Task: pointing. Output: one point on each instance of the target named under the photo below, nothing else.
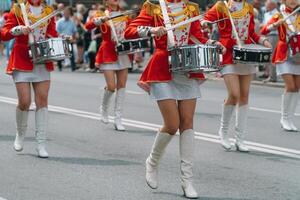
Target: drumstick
(26, 21)
(195, 40)
(44, 19)
(112, 26)
(233, 26)
(193, 19)
(167, 22)
(125, 13)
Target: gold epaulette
(99, 13)
(193, 8)
(221, 7)
(17, 10)
(18, 13)
(152, 9)
(278, 16)
(250, 7)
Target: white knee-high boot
(41, 121)
(105, 105)
(240, 128)
(21, 124)
(225, 121)
(161, 142)
(186, 165)
(285, 109)
(119, 102)
(292, 110)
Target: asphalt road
(90, 160)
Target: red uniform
(20, 59)
(245, 28)
(107, 53)
(281, 51)
(158, 66)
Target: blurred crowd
(86, 43)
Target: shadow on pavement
(87, 161)
(269, 156)
(12, 138)
(221, 198)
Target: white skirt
(122, 63)
(238, 68)
(288, 67)
(180, 88)
(39, 74)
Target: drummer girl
(115, 67)
(176, 94)
(25, 73)
(285, 65)
(238, 76)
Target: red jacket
(106, 52)
(157, 69)
(281, 51)
(19, 58)
(219, 11)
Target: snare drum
(252, 54)
(53, 49)
(294, 42)
(134, 46)
(195, 58)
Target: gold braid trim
(18, 13)
(223, 12)
(99, 14)
(154, 10)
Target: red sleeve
(51, 29)
(90, 24)
(197, 33)
(143, 19)
(10, 23)
(212, 14)
(253, 35)
(265, 30)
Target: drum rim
(193, 46)
(133, 40)
(243, 48)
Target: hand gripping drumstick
(233, 26)
(167, 22)
(44, 19)
(26, 21)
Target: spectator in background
(81, 30)
(66, 27)
(257, 4)
(2, 21)
(270, 10)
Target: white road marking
(131, 92)
(293, 153)
(2, 198)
